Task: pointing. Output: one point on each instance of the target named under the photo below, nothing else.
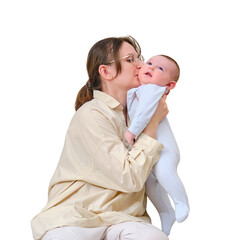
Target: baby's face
(157, 70)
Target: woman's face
(128, 77)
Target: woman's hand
(160, 113)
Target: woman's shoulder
(92, 109)
(95, 116)
(92, 105)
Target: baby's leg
(166, 171)
(161, 202)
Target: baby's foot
(167, 221)
(181, 212)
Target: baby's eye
(149, 63)
(160, 68)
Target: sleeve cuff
(151, 147)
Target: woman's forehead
(126, 49)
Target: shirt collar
(107, 99)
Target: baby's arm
(149, 96)
(129, 137)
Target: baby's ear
(171, 85)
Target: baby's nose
(152, 67)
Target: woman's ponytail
(84, 95)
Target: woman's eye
(130, 59)
(149, 63)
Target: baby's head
(160, 70)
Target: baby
(158, 76)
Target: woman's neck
(121, 97)
(125, 113)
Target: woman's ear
(171, 85)
(106, 72)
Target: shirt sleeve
(113, 165)
(149, 96)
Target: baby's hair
(176, 77)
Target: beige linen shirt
(99, 180)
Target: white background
(43, 51)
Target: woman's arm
(103, 158)
(143, 105)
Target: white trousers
(166, 174)
(122, 231)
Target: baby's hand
(129, 137)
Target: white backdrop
(43, 51)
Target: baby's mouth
(148, 74)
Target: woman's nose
(140, 64)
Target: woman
(97, 191)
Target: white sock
(181, 212)
(167, 221)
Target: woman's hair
(102, 53)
